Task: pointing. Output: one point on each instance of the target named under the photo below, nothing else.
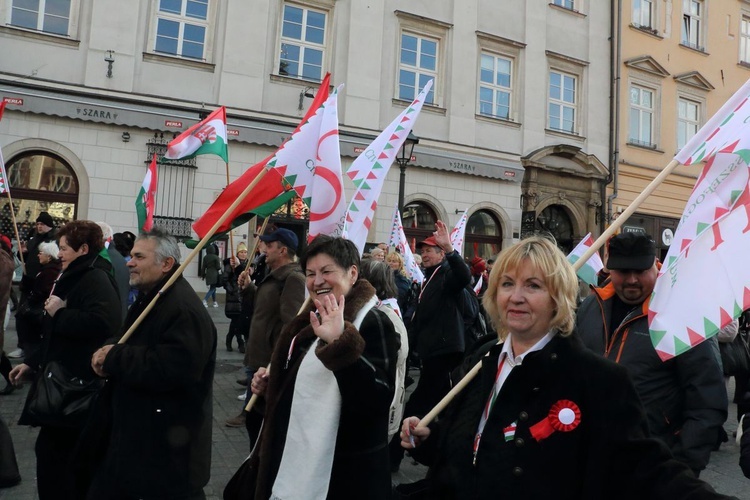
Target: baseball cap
(283, 235)
(430, 242)
(631, 251)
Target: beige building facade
(515, 131)
(677, 62)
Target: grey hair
(49, 248)
(106, 230)
(166, 244)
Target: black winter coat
(438, 326)
(364, 364)
(91, 316)
(162, 405)
(606, 456)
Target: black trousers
(54, 474)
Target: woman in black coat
(331, 386)
(544, 418)
(82, 311)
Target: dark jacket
(211, 267)
(91, 316)
(606, 456)
(277, 301)
(745, 446)
(685, 398)
(364, 364)
(122, 277)
(31, 257)
(437, 327)
(162, 405)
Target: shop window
(418, 220)
(484, 235)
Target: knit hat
(478, 265)
(241, 247)
(5, 243)
(45, 219)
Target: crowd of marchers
(565, 396)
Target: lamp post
(403, 159)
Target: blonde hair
(559, 278)
(397, 256)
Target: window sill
(701, 51)
(652, 148)
(647, 30)
(178, 61)
(425, 107)
(301, 82)
(40, 35)
(563, 133)
(496, 120)
(743, 64)
(569, 11)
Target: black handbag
(59, 399)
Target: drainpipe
(614, 115)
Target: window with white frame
(692, 23)
(495, 86)
(567, 4)
(688, 120)
(303, 39)
(49, 16)
(563, 101)
(181, 28)
(641, 126)
(643, 13)
(418, 64)
(745, 40)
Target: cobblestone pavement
(230, 445)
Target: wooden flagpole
(15, 225)
(251, 255)
(582, 260)
(192, 254)
(231, 242)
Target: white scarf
(305, 469)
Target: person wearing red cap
(437, 327)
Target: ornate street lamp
(403, 159)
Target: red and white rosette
(564, 416)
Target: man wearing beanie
(45, 232)
(684, 397)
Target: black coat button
(519, 442)
(523, 416)
(517, 471)
(553, 357)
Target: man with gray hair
(118, 265)
(160, 442)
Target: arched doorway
(39, 182)
(484, 235)
(418, 220)
(556, 221)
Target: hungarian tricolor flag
(268, 195)
(146, 200)
(207, 137)
(589, 271)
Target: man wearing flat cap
(684, 397)
(278, 298)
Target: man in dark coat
(122, 276)
(685, 399)
(437, 327)
(160, 444)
